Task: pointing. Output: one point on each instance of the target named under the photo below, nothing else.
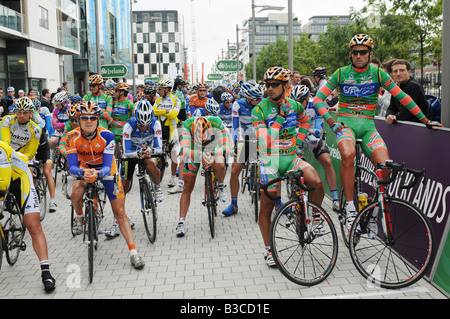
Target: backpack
(434, 108)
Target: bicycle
(250, 178)
(399, 245)
(12, 230)
(303, 239)
(211, 196)
(94, 201)
(161, 160)
(37, 171)
(148, 202)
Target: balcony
(10, 19)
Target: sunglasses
(360, 52)
(202, 90)
(92, 85)
(88, 118)
(73, 120)
(274, 85)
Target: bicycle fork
(382, 207)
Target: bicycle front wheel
(210, 202)
(305, 257)
(255, 190)
(14, 230)
(90, 218)
(148, 210)
(397, 256)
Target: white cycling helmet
(60, 98)
(24, 104)
(212, 106)
(251, 90)
(144, 112)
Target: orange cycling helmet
(361, 39)
(122, 86)
(95, 79)
(89, 108)
(73, 110)
(277, 73)
(202, 130)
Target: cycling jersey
(279, 138)
(59, 119)
(242, 119)
(134, 138)
(104, 101)
(23, 138)
(358, 95)
(97, 153)
(122, 112)
(199, 112)
(14, 169)
(45, 114)
(225, 115)
(191, 152)
(168, 119)
(195, 102)
(62, 144)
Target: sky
(215, 20)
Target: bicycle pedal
(203, 202)
(23, 246)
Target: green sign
(215, 77)
(114, 71)
(154, 79)
(229, 66)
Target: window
(165, 26)
(154, 69)
(146, 58)
(165, 47)
(43, 17)
(139, 27)
(172, 57)
(146, 37)
(152, 47)
(140, 48)
(112, 34)
(171, 37)
(140, 69)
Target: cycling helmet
(24, 104)
(89, 108)
(202, 85)
(140, 96)
(37, 104)
(227, 97)
(122, 86)
(150, 90)
(212, 106)
(111, 85)
(251, 90)
(362, 39)
(144, 112)
(149, 82)
(60, 98)
(299, 92)
(277, 73)
(202, 130)
(73, 111)
(320, 72)
(75, 99)
(167, 83)
(110, 93)
(95, 79)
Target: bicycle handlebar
(397, 168)
(295, 176)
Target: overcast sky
(216, 20)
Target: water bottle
(362, 200)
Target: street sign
(114, 71)
(154, 79)
(215, 77)
(229, 66)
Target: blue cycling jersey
(315, 118)
(134, 138)
(225, 115)
(242, 119)
(199, 112)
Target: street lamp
(237, 49)
(132, 46)
(263, 8)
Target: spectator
(3, 106)
(45, 99)
(9, 99)
(401, 73)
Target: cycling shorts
(31, 201)
(361, 129)
(43, 151)
(112, 190)
(319, 148)
(272, 167)
(191, 167)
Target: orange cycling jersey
(97, 152)
(195, 103)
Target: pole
(290, 37)
(97, 36)
(237, 53)
(445, 109)
(132, 48)
(253, 40)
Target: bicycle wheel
(148, 210)
(1, 246)
(305, 258)
(41, 190)
(255, 190)
(245, 178)
(210, 202)
(399, 259)
(161, 163)
(14, 230)
(343, 213)
(90, 221)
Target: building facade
(158, 46)
(114, 29)
(34, 38)
(318, 25)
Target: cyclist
(314, 140)
(203, 141)
(122, 111)
(16, 176)
(251, 94)
(178, 92)
(73, 122)
(358, 85)
(197, 100)
(166, 108)
(281, 125)
(103, 100)
(141, 139)
(90, 155)
(319, 75)
(226, 110)
(59, 118)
